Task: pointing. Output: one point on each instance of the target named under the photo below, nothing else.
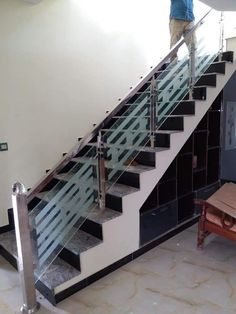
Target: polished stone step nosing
(159, 102)
(148, 132)
(164, 116)
(137, 169)
(115, 189)
(81, 242)
(102, 216)
(132, 147)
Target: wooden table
(218, 214)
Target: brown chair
(218, 214)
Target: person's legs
(176, 31)
(191, 41)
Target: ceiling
(225, 5)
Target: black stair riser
(184, 108)
(218, 67)
(46, 292)
(92, 228)
(114, 202)
(70, 258)
(226, 56)
(146, 159)
(174, 123)
(122, 110)
(11, 218)
(162, 140)
(207, 80)
(199, 93)
(50, 185)
(133, 176)
(128, 178)
(9, 257)
(87, 151)
(131, 179)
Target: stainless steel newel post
(24, 249)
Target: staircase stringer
(121, 235)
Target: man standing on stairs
(181, 21)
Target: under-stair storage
(193, 173)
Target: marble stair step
(80, 242)
(101, 216)
(138, 168)
(114, 192)
(57, 273)
(147, 131)
(116, 189)
(148, 116)
(133, 148)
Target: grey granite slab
(153, 150)
(57, 273)
(119, 190)
(102, 215)
(132, 148)
(157, 131)
(82, 241)
(138, 168)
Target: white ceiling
(225, 5)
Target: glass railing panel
(63, 209)
(131, 133)
(128, 133)
(173, 86)
(208, 43)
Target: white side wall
(63, 63)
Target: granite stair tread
(57, 273)
(146, 117)
(119, 190)
(138, 168)
(144, 131)
(81, 241)
(102, 215)
(132, 148)
(116, 189)
(160, 102)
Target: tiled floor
(172, 278)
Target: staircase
(102, 239)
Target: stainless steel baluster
(221, 44)
(153, 116)
(24, 249)
(192, 68)
(101, 172)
